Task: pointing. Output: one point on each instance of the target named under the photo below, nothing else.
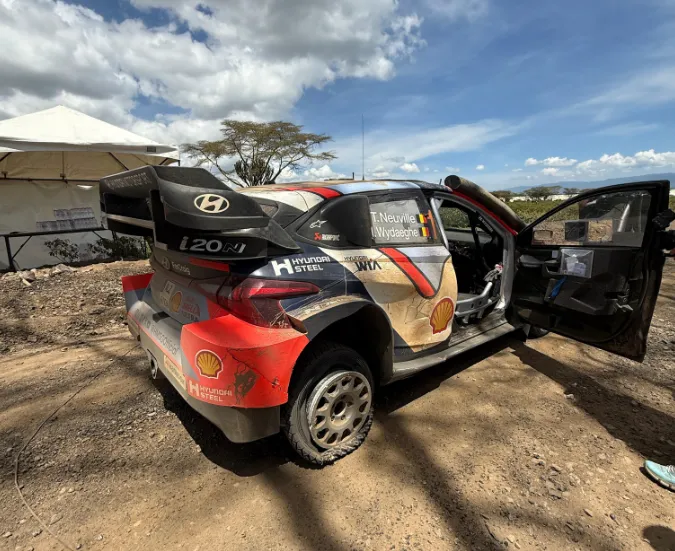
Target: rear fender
(355, 322)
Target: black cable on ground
(35, 433)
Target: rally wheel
(330, 406)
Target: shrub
(63, 250)
(122, 247)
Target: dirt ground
(535, 445)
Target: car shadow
(256, 457)
(241, 459)
(660, 538)
(401, 393)
(643, 428)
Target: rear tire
(330, 406)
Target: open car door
(591, 268)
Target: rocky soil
(534, 445)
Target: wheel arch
(361, 325)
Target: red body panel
(136, 282)
(255, 362)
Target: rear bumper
(233, 373)
(237, 424)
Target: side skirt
(463, 343)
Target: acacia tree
(542, 193)
(503, 195)
(262, 150)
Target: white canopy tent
(50, 164)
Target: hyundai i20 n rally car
(285, 307)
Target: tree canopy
(504, 195)
(542, 193)
(261, 150)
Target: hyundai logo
(211, 203)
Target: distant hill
(602, 183)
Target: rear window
(402, 220)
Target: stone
(55, 518)
(556, 468)
(628, 510)
(588, 512)
(7, 535)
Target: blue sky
(584, 90)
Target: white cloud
(480, 167)
(322, 172)
(550, 171)
(517, 170)
(641, 159)
(383, 146)
(381, 174)
(252, 64)
(551, 161)
(409, 167)
(628, 129)
(452, 169)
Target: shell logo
(208, 363)
(442, 315)
(175, 301)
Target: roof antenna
(363, 148)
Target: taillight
(257, 300)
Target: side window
(454, 218)
(612, 219)
(402, 220)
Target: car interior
(477, 252)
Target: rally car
(285, 307)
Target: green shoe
(663, 474)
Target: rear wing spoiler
(189, 210)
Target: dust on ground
(534, 445)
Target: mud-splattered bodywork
(236, 373)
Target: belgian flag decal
(424, 229)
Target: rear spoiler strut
(189, 210)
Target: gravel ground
(533, 445)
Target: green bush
(122, 247)
(63, 250)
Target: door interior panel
(590, 269)
(582, 307)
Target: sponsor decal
(166, 263)
(317, 224)
(368, 266)
(211, 203)
(175, 301)
(129, 181)
(208, 363)
(190, 309)
(299, 265)
(133, 326)
(182, 268)
(167, 342)
(216, 396)
(326, 236)
(200, 245)
(175, 371)
(442, 315)
(359, 258)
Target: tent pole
(10, 257)
(118, 161)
